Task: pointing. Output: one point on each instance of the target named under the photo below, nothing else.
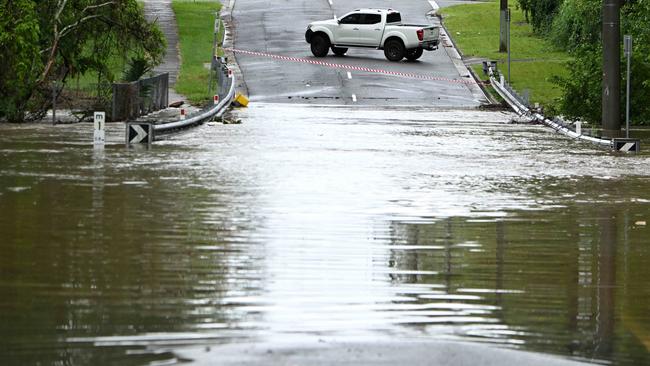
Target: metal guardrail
(517, 103)
(216, 110)
(146, 132)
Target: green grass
(534, 61)
(86, 83)
(195, 21)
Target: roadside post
(55, 86)
(627, 43)
(139, 133)
(627, 144)
(215, 43)
(99, 136)
(508, 40)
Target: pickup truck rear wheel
(339, 51)
(394, 49)
(414, 54)
(319, 45)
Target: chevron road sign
(626, 145)
(139, 133)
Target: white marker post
(99, 136)
(216, 99)
(182, 113)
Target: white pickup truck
(380, 29)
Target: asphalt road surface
(277, 28)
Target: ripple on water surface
(322, 222)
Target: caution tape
(349, 67)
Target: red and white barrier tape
(349, 67)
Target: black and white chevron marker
(626, 145)
(139, 133)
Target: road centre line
(349, 67)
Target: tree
(582, 91)
(62, 38)
(577, 23)
(20, 45)
(540, 13)
(582, 98)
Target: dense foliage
(52, 40)
(20, 45)
(575, 25)
(540, 13)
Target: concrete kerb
(456, 57)
(228, 42)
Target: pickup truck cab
(380, 29)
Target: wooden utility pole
(611, 120)
(503, 8)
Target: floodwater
(321, 222)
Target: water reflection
(89, 251)
(548, 280)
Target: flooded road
(321, 223)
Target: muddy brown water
(336, 222)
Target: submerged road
(277, 28)
(323, 235)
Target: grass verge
(534, 61)
(195, 21)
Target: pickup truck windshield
(393, 18)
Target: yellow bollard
(240, 100)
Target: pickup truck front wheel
(339, 51)
(319, 45)
(414, 54)
(394, 50)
